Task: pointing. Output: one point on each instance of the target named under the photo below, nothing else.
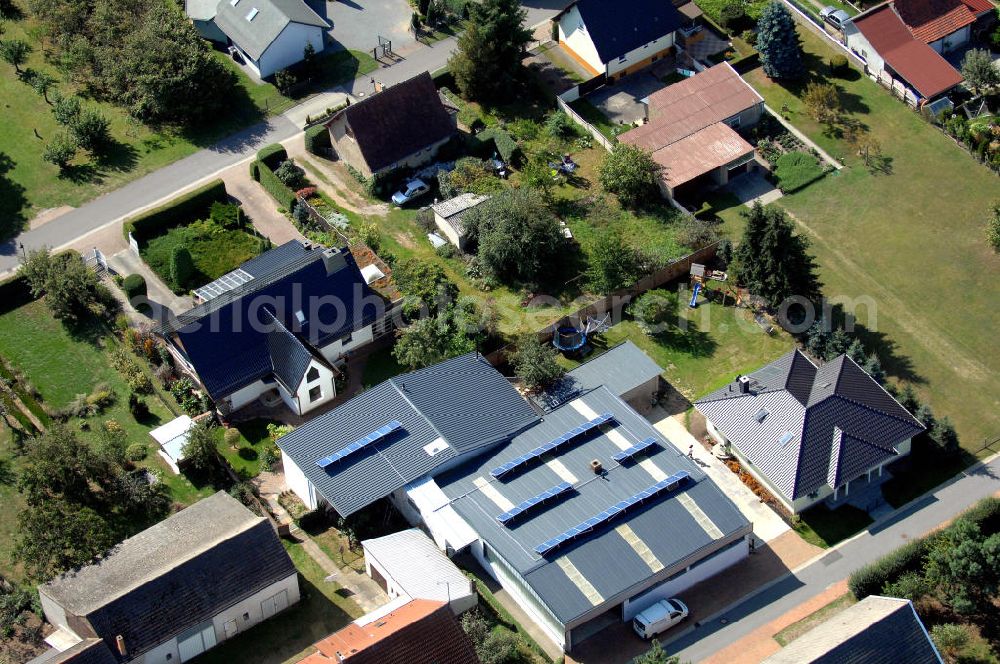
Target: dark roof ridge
(865, 441)
(401, 391)
(914, 422)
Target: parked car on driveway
(659, 618)
(412, 189)
(834, 17)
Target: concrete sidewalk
(767, 525)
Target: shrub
(795, 170)
(732, 16)
(226, 215)
(136, 452)
(137, 407)
(985, 514)
(291, 175)
(180, 210)
(270, 457)
(317, 139)
(749, 36)
(60, 150)
(285, 80)
(272, 155)
(284, 196)
(134, 286)
(558, 124)
(838, 64)
(503, 142)
(874, 577)
(181, 267)
(255, 170)
(653, 309)
(231, 437)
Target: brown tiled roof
(398, 122)
(701, 152)
(418, 632)
(931, 20)
(689, 106)
(912, 59)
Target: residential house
(277, 328)
(448, 216)
(614, 39)
(271, 35)
(202, 14)
(625, 369)
(416, 631)
(409, 565)
(811, 433)
(197, 578)
(897, 57)
(690, 130)
(401, 127)
(876, 630)
(565, 510)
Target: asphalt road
(886, 534)
(154, 188)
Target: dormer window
(312, 374)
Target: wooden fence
(615, 303)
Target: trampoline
(569, 339)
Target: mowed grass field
(912, 241)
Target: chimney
(120, 641)
(596, 466)
(744, 382)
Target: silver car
(834, 17)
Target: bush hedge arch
(317, 139)
(190, 206)
(272, 155)
(134, 286)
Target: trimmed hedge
(985, 514)
(255, 170)
(134, 286)
(272, 155)
(317, 139)
(272, 185)
(506, 146)
(190, 206)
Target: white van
(659, 618)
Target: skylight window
(301, 317)
(785, 438)
(761, 415)
(234, 2)
(253, 14)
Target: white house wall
(574, 34)
(325, 382)
(337, 349)
(245, 395)
(251, 606)
(954, 40)
(448, 231)
(288, 47)
(636, 56)
(297, 482)
(859, 44)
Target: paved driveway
(621, 101)
(357, 24)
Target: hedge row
(873, 577)
(317, 139)
(180, 210)
(134, 286)
(272, 185)
(503, 616)
(272, 155)
(504, 143)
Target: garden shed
(172, 437)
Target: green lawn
(29, 185)
(12, 503)
(380, 366)
(720, 343)
(290, 634)
(215, 251)
(800, 627)
(824, 527)
(598, 119)
(248, 458)
(910, 242)
(61, 365)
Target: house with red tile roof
(902, 42)
(417, 631)
(690, 129)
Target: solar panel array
(552, 445)
(629, 452)
(535, 501)
(361, 443)
(224, 284)
(669, 484)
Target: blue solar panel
(635, 449)
(373, 437)
(553, 444)
(663, 486)
(534, 501)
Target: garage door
(190, 645)
(274, 604)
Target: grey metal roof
(876, 630)
(175, 574)
(201, 10)
(277, 259)
(841, 422)
(417, 566)
(463, 401)
(453, 209)
(621, 369)
(603, 557)
(272, 17)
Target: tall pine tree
(490, 50)
(778, 43)
(772, 261)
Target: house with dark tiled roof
(876, 630)
(416, 631)
(277, 329)
(197, 578)
(902, 42)
(403, 126)
(811, 433)
(613, 38)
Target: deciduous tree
(60, 150)
(536, 364)
(979, 71)
(424, 284)
(199, 451)
(613, 263)
(630, 173)
(92, 131)
(822, 100)
(15, 52)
